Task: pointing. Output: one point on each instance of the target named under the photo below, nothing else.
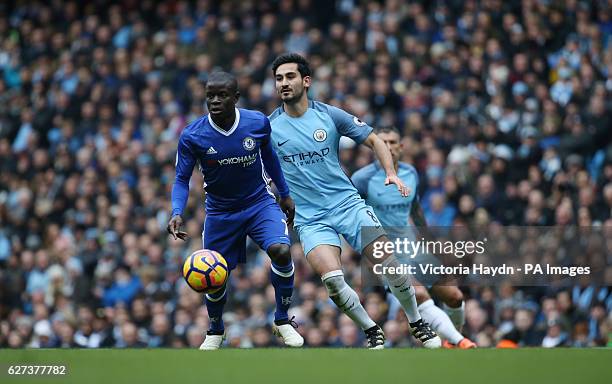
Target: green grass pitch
(342, 366)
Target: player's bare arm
(384, 156)
(417, 215)
(418, 219)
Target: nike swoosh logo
(347, 300)
(283, 143)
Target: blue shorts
(346, 220)
(226, 232)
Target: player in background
(235, 155)
(395, 211)
(306, 135)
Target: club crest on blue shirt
(320, 135)
(248, 143)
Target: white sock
(346, 299)
(457, 315)
(401, 288)
(439, 321)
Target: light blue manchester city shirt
(390, 207)
(307, 147)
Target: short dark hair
(388, 129)
(286, 58)
(223, 78)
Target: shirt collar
(222, 131)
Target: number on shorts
(371, 214)
(374, 218)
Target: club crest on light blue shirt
(307, 147)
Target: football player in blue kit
(306, 135)
(233, 149)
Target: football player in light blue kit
(395, 211)
(306, 135)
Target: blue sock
(282, 281)
(214, 304)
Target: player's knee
(421, 294)
(280, 254)
(453, 297)
(376, 252)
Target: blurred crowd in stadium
(505, 109)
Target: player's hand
(174, 226)
(288, 206)
(401, 187)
